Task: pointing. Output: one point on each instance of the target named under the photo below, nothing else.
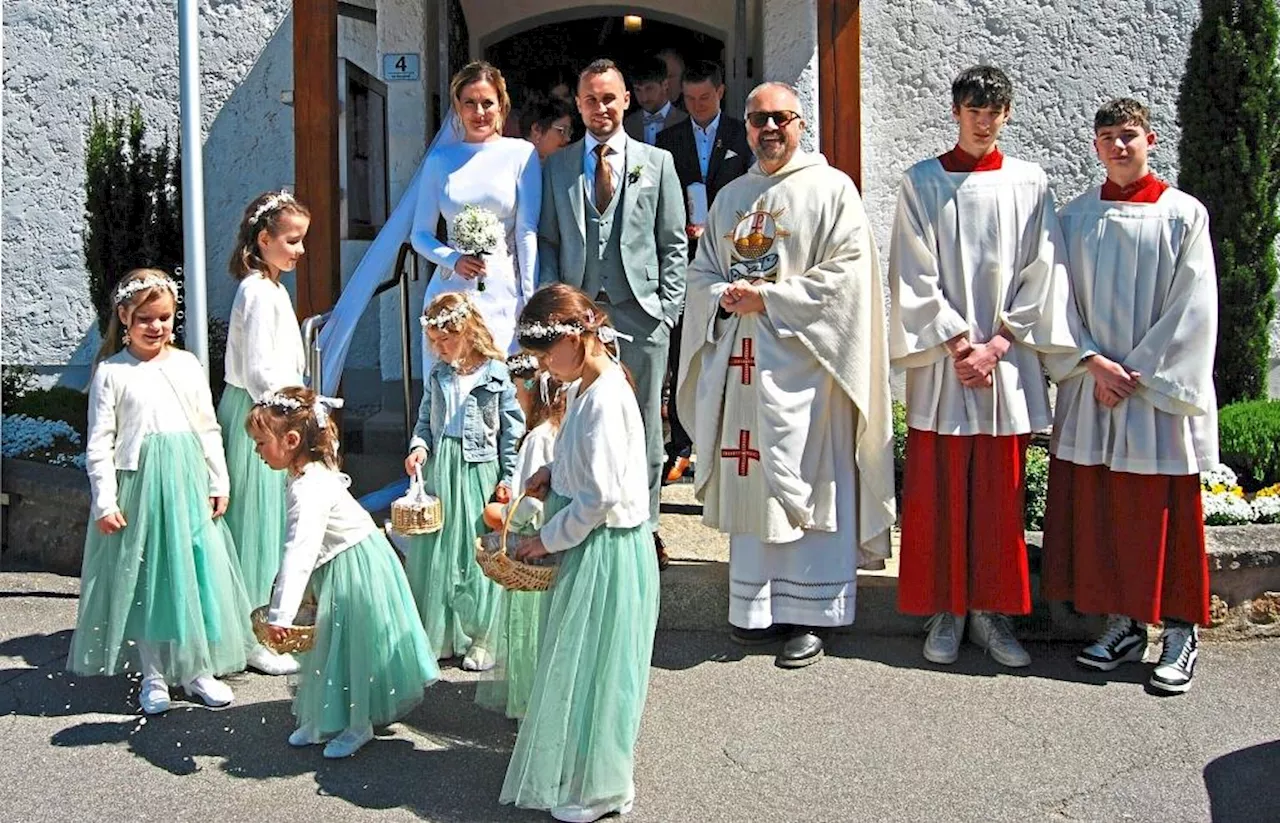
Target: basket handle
(506, 521)
(418, 486)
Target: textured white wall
(61, 54)
(790, 40)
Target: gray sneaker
(994, 633)
(943, 643)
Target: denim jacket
(493, 424)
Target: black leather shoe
(760, 637)
(804, 648)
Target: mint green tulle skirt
(256, 515)
(168, 579)
(371, 660)
(458, 604)
(576, 746)
(516, 636)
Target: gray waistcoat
(604, 270)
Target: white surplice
(972, 252)
(790, 407)
(1144, 286)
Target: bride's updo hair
(476, 72)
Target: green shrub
(133, 205)
(15, 381)
(899, 450)
(1037, 474)
(1249, 441)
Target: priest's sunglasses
(760, 119)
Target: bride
(498, 174)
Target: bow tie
(652, 119)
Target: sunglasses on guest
(760, 119)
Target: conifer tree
(1229, 111)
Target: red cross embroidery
(744, 361)
(743, 454)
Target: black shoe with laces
(1123, 641)
(1177, 663)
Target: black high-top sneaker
(1178, 660)
(1123, 641)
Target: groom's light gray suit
(631, 258)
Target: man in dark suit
(710, 149)
(655, 112)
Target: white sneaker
(943, 643)
(307, 736)
(154, 697)
(588, 814)
(477, 659)
(268, 662)
(994, 633)
(209, 690)
(1177, 664)
(348, 743)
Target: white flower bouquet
(477, 231)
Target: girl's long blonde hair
(456, 312)
(113, 341)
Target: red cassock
(1120, 543)
(963, 544)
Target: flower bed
(1225, 503)
(46, 441)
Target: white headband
(320, 407)
(522, 362)
(273, 202)
(125, 291)
(449, 317)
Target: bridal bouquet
(477, 231)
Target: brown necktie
(604, 179)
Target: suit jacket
(650, 217)
(731, 139)
(633, 123)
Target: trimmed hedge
(1249, 441)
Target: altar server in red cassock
(1136, 415)
(976, 299)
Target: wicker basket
(301, 635)
(513, 575)
(417, 512)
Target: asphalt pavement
(872, 732)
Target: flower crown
(272, 203)
(125, 291)
(449, 317)
(320, 407)
(543, 331)
(522, 362)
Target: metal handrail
(406, 269)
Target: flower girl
(371, 661)
(517, 629)
(575, 754)
(468, 426)
(160, 584)
(264, 353)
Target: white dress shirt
(705, 140)
(654, 123)
(618, 142)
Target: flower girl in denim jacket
(468, 426)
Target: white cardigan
(323, 521)
(264, 343)
(600, 463)
(130, 399)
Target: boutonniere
(633, 176)
(730, 154)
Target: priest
(785, 374)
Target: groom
(612, 225)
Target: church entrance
(538, 58)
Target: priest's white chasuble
(790, 407)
